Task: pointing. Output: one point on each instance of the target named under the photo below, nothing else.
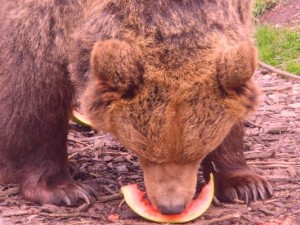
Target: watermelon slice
(78, 118)
(136, 201)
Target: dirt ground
(286, 13)
(272, 149)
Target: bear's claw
(67, 193)
(82, 194)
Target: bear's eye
(130, 93)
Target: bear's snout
(170, 197)
(170, 186)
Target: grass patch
(279, 47)
(260, 6)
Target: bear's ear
(116, 65)
(236, 65)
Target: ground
(286, 13)
(272, 149)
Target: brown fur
(168, 78)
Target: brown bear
(170, 79)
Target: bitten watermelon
(136, 201)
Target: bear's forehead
(163, 104)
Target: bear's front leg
(234, 180)
(34, 155)
(35, 100)
(34, 127)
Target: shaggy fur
(170, 79)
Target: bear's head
(170, 118)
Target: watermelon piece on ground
(78, 118)
(136, 201)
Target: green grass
(279, 47)
(260, 6)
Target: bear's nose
(170, 210)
